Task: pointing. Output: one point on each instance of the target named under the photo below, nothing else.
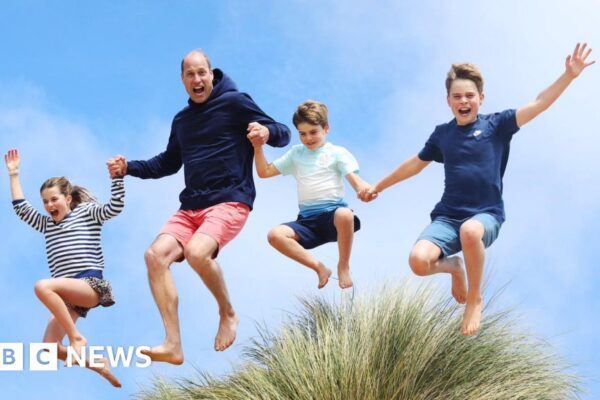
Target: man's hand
(257, 134)
(117, 166)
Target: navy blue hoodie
(209, 140)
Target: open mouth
(464, 112)
(54, 214)
(198, 90)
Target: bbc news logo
(43, 356)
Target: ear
(481, 96)
(69, 199)
(326, 129)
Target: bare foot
(76, 345)
(172, 354)
(344, 277)
(227, 330)
(459, 279)
(324, 273)
(104, 372)
(472, 317)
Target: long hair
(78, 194)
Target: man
(209, 138)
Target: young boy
(474, 150)
(318, 167)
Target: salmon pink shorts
(221, 222)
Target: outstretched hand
(576, 62)
(117, 166)
(12, 161)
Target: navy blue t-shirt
(474, 158)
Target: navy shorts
(317, 229)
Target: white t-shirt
(318, 175)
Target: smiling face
(56, 203)
(312, 136)
(464, 100)
(197, 77)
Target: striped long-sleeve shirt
(73, 245)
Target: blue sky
(81, 83)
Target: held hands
(368, 194)
(257, 134)
(117, 166)
(576, 62)
(12, 161)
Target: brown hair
(464, 71)
(311, 112)
(196, 51)
(78, 194)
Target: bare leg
(199, 254)
(285, 240)
(344, 223)
(55, 334)
(55, 292)
(425, 260)
(159, 257)
(471, 234)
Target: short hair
(196, 51)
(78, 194)
(464, 71)
(311, 112)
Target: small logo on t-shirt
(324, 160)
(476, 133)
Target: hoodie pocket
(209, 176)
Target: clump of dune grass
(396, 343)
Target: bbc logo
(42, 357)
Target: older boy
(474, 149)
(318, 167)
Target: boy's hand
(576, 62)
(12, 161)
(368, 194)
(257, 134)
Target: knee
(154, 262)
(344, 215)
(419, 263)
(41, 287)
(471, 233)
(275, 236)
(196, 257)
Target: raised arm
(263, 168)
(114, 207)
(407, 169)
(13, 162)
(574, 65)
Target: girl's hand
(12, 161)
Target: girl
(72, 233)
